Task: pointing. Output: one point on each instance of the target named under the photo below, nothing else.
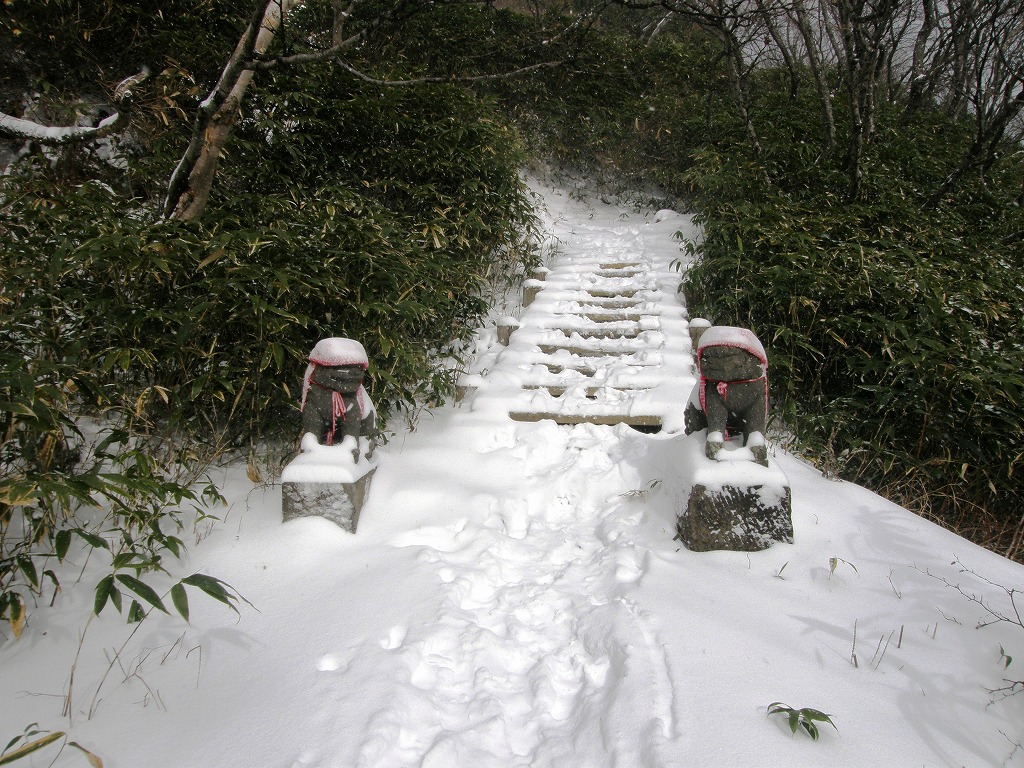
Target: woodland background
(166, 266)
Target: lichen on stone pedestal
(742, 518)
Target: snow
(27, 129)
(728, 336)
(514, 596)
(328, 463)
(338, 351)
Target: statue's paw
(760, 454)
(714, 444)
(757, 446)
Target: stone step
(587, 302)
(589, 368)
(601, 293)
(591, 392)
(606, 317)
(614, 273)
(603, 347)
(590, 332)
(651, 423)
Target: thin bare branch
(455, 79)
(20, 129)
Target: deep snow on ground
(514, 597)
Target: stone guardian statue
(732, 390)
(335, 403)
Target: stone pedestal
(326, 481)
(745, 518)
(697, 326)
(338, 502)
(733, 504)
(506, 326)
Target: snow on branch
(20, 129)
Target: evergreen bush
(895, 348)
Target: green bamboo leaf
(180, 599)
(103, 590)
(143, 590)
(27, 567)
(92, 539)
(135, 613)
(32, 746)
(211, 586)
(62, 541)
(204, 582)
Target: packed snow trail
(537, 656)
(605, 341)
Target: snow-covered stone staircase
(604, 341)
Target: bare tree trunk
(190, 185)
(863, 26)
(960, 24)
(733, 52)
(817, 67)
(918, 80)
(784, 49)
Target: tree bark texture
(190, 185)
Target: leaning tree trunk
(190, 185)
(818, 70)
(782, 45)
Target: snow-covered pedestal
(697, 326)
(327, 481)
(733, 502)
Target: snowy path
(537, 655)
(527, 660)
